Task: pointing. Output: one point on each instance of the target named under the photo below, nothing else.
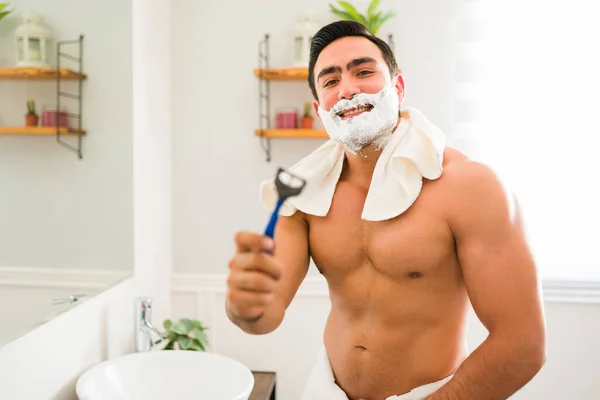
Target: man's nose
(347, 91)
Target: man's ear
(316, 108)
(399, 84)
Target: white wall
(218, 165)
(102, 328)
(74, 213)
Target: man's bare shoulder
(462, 172)
(470, 184)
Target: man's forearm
(266, 323)
(493, 371)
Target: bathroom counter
(264, 385)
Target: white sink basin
(170, 374)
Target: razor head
(288, 184)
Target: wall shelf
(59, 75)
(292, 133)
(39, 74)
(38, 130)
(282, 74)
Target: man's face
(350, 66)
(358, 100)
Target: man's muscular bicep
(498, 267)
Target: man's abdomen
(391, 349)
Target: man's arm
(501, 279)
(291, 252)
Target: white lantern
(32, 41)
(303, 34)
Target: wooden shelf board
(293, 133)
(38, 74)
(282, 74)
(36, 130)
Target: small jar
(286, 119)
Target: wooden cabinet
(264, 385)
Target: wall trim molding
(554, 291)
(61, 277)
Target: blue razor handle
(270, 230)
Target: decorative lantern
(32, 41)
(305, 29)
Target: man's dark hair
(337, 30)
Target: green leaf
(343, 15)
(167, 324)
(169, 346)
(185, 342)
(371, 10)
(350, 9)
(4, 14)
(380, 21)
(183, 326)
(197, 346)
(3, 6)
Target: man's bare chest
(413, 244)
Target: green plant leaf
(343, 15)
(371, 10)
(380, 21)
(350, 9)
(167, 324)
(183, 326)
(201, 336)
(170, 345)
(197, 346)
(198, 325)
(3, 6)
(185, 342)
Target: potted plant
(372, 20)
(306, 122)
(185, 334)
(31, 118)
(4, 12)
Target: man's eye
(364, 73)
(329, 82)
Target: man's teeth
(356, 110)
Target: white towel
(414, 151)
(321, 384)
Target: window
(528, 92)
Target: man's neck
(359, 167)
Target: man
(409, 235)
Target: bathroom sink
(167, 374)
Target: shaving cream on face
(370, 127)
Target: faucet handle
(145, 302)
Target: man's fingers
(251, 299)
(261, 262)
(252, 242)
(252, 281)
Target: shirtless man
(401, 288)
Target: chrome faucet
(145, 334)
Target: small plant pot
(306, 122)
(31, 120)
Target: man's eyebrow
(354, 63)
(358, 61)
(328, 70)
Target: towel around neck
(413, 152)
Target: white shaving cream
(369, 128)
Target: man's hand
(253, 277)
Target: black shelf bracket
(60, 53)
(264, 95)
(391, 43)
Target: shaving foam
(369, 128)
